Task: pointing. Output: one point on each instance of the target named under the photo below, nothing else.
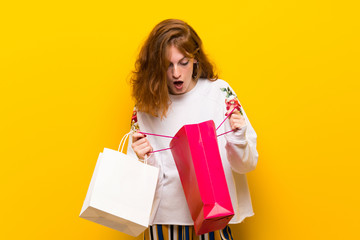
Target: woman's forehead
(174, 54)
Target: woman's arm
(241, 143)
(241, 147)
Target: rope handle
(122, 145)
(158, 135)
(225, 118)
(122, 142)
(145, 159)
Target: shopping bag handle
(122, 142)
(225, 118)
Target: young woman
(174, 84)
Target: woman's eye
(184, 63)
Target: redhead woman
(174, 84)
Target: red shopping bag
(197, 158)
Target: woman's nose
(176, 72)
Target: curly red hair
(149, 81)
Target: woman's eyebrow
(181, 59)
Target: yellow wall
(295, 66)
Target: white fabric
(206, 101)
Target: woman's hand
(237, 121)
(140, 145)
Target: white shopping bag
(121, 192)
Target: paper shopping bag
(197, 158)
(121, 193)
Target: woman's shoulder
(214, 90)
(216, 84)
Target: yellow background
(295, 66)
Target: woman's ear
(195, 61)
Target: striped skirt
(175, 232)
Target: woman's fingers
(237, 121)
(236, 111)
(141, 145)
(144, 151)
(136, 136)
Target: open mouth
(178, 84)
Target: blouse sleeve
(241, 144)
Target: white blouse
(206, 101)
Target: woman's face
(179, 72)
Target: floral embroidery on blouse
(231, 100)
(134, 121)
